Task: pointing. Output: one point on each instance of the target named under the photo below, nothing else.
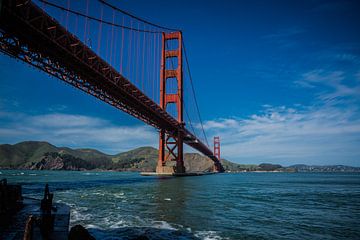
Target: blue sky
(278, 81)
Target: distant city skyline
(278, 81)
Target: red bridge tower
(171, 143)
(217, 152)
(217, 147)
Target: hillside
(43, 155)
(21, 154)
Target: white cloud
(328, 132)
(347, 57)
(219, 125)
(58, 120)
(288, 136)
(333, 81)
(285, 38)
(76, 131)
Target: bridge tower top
(217, 147)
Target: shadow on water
(140, 233)
(66, 185)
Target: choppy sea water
(114, 205)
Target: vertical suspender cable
(86, 19)
(137, 56)
(154, 67)
(67, 14)
(100, 31)
(193, 90)
(143, 59)
(76, 24)
(112, 37)
(122, 47)
(115, 48)
(129, 51)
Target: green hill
(10, 156)
(27, 154)
(21, 154)
(230, 166)
(43, 155)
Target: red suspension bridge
(118, 58)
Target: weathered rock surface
(78, 232)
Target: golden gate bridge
(118, 58)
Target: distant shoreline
(137, 171)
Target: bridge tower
(217, 165)
(171, 143)
(217, 147)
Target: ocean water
(114, 205)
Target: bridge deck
(31, 35)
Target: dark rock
(78, 232)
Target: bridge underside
(29, 34)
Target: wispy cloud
(347, 57)
(333, 83)
(57, 108)
(285, 33)
(285, 38)
(286, 135)
(325, 132)
(75, 131)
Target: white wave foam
(72, 205)
(167, 199)
(99, 193)
(77, 216)
(163, 225)
(88, 173)
(208, 235)
(93, 226)
(119, 195)
(119, 224)
(82, 208)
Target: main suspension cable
(96, 19)
(137, 18)
(193, 90)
